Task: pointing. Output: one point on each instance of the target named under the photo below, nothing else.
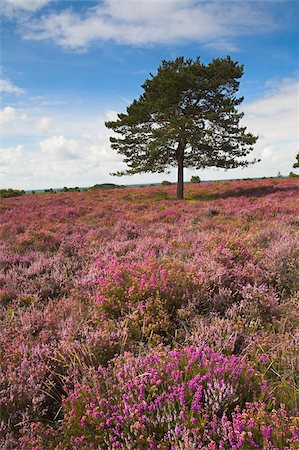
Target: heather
(132, 320)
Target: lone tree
(186, 117)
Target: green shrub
(5, 193)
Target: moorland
(132, 320)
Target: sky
(68, 66)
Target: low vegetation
(6, 193)
(132, 320)
(195, 179)
(106, 186)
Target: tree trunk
(180, 183)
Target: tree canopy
(187, 117)
(296, 164)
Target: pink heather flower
(295, 433)
(90, 280)
(266, 432)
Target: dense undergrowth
(131, 320)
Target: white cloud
(112, 115)
(7, 87)
(24, 117)
(21, 122)
(151, 22)
(29, 5)
(59, 148)
(267, 153)
(7, 115)
(11, 156)
(12, 7)
(79, 153)
(274, 118)
(61, 160)
(44, 124)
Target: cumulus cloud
(62, 160)
(151, 22)
(7, 87)
(274, 118)
(60, 148)
(11, 155)
(7, 115)
(79, 153)
(21, 122)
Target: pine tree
(186, 117)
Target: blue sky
(67, 66)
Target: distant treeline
(5, 193)
(107, 186)
(65, 189)
(77, 189)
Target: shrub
(89, 277)
(161, 195)
(6, 193)
(156, 400)
(106, 186)
(148, 294)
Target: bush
(195, 179)
(66, 189)
(147, 294)
(107, 186)
(161, 195)
(166, 183)
(187, 398)
(5, 193)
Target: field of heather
(131, 320)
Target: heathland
(132, 320)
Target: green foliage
(106, 186)
(5, 193)
(75, 189)
(161, 195)
(166, 183)
(296, 164)
(195, 179)
(186, 117)
(293, 175)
